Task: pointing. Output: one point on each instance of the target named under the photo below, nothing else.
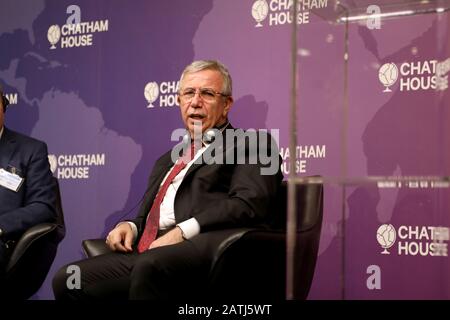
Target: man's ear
(228, 105)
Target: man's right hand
(120, 238)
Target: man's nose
(196, 100)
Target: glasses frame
(182, 94)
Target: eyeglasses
(207, 95)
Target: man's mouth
(196, 117)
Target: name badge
(10, 180)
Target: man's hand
(120, 238)
(172, 237)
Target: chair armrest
(95, 247)
(27, 239)
(231, 238)
(239, 237)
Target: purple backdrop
(104, 134)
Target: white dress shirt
(189, 227)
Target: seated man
(26, 186)
(191, 204)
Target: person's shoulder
(22, 138)
(236, 131)
(164, 158)
(252, 137)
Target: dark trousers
(175, 271)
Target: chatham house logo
(75, 166)
(151, 93)
(414, 75)
(75, 34)
(414, 240)
(386, 236)
(388, 75)
(260, 10)
(162, 94)
(53, 35)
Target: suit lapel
(7, 148)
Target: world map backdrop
(97, 81)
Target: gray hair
(201, 65)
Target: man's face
(209, 113)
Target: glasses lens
(188, 94)
(207, 94)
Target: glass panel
(371, 115)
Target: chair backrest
(61, 232)
(34, 254)
(309, 205)
(263, 274)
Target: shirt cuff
(190, 228)
(133, 228)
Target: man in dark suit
(26, 186)
(190, 206)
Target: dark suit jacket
(34, 202)
(219, 196)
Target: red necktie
(152, 224)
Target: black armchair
(251, 262)
(33, 255)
